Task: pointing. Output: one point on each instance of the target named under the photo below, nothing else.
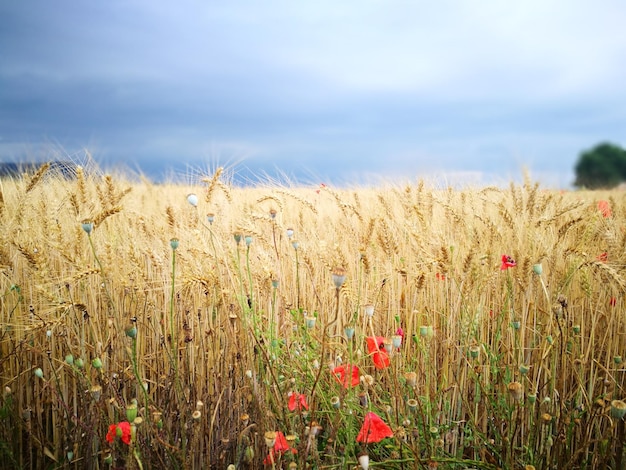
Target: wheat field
(206, 325)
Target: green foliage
(604, 166)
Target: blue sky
(337, 91)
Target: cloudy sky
(339, 91)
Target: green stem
(297, 282)
(138, 377)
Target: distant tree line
(602, 167)
(17, 169)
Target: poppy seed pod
(87, 226)
(363, 399)
(131, 412)
(516, 390)
(131, 331)
(349, 332)
(474, 351)
(96, 392)
(618, 409)
(411, 378)
(425, 331)
(339, 276)
(270, 438)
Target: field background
(206, 336)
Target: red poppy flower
(605, 208)
(297, 400)
(281, 443)
(376, 347)
(507, 262)
(374, 429)
(603, 257)
(344, 377)
(322, 186)
(121, 429)
(280, 447)
(112, 433)
(441, 276)
(612, 301)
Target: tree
(604, 166)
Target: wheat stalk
(36, 178)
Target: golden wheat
(168, 325)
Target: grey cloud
(325, 90)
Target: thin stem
(297, 281)
(250, 295)
(173, 333)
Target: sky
(346, 92)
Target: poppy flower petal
(507, 262)
(375, 346)
(374, 429)
(605, 208)
(269, 460)
(110, 437)
(303, 403)
(381, 360)
(341, 375)
(281, 445)
(292, 402)
(373, 343)
(126, 432)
